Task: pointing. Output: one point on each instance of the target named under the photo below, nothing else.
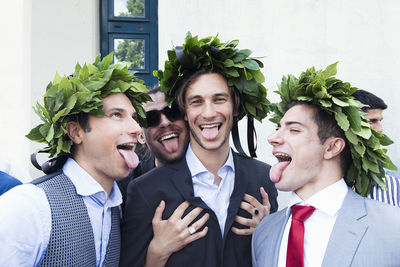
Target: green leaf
(84, 73)
(35, 134)
(251, 64)
(330, 70)
(106, 61)
(339, 102)
(258, 76)
(364, 132)
(341, 119)
(354, 118)
(232, 72)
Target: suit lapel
(182, 180)
(239, 188)
(347, 232)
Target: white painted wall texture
(41, 37)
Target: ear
(142, 138)
(75, 132)
(333, 147)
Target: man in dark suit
(166, 137)
(206, 205)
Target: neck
(213, 160)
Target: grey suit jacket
(366, 233)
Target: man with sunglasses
(166, 136)
(202, 209)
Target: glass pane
(130, 50)
(129, 8)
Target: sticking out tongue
(170, 145)
(210, 133)
(130, 157)
(276, 171)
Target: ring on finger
(255, 212)
(191, 229)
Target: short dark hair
(83, 120)
(193, 77)
(328, 127)
(367, 98)
(154, 90)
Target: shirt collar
(328, 200)
(196, 167)
(86, 185)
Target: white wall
(293, 35)
(41, 37)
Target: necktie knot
(301, 213)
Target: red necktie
(295, 249)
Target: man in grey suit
(318, 163)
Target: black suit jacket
(173, 184)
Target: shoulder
(7, 182)
(250, 163)
(270, 224)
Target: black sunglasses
(153, 117)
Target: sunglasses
(153, 117)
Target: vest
(71, 240)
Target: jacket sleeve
(136, 228)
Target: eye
(294, 130)
(220, 100)
(116, 115)
(195, 102)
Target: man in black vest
(72, 217)
(206, 205)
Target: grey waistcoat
(71, 239)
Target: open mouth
(128, 154)
(276, 170)
(170, 142)
(210, 131)
(282, 157)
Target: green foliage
(135, 9)
(321, 88)
(131, 51)
(68, 96)
(241, 71)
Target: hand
(173, 234)
(251, 204)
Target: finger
(253, 201)
(199, 223)
(247, 222)
(188, 219)
(197, 235)
(247, 207)
(265, 200)
(248, 231)
(177, 215)
(158, 213)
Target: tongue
(130, 158)
(210, 133)
(170, 145)
(276, 171)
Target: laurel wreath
(83, 92)
(322, 89)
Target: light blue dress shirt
(25, 218)
(216, 197)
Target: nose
(134, 128)
(378, 127)
(208, 110)
(164, 121)
(275, 138)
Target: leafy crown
(83, 92)
(321, 88)
(241, 71)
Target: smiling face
(169, 139)
(299, 152)
(209, 112)
(106, 151)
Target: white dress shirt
(318, 227)
(216, 197)
(25, 218)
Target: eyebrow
(288, 123)
(214, 95)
